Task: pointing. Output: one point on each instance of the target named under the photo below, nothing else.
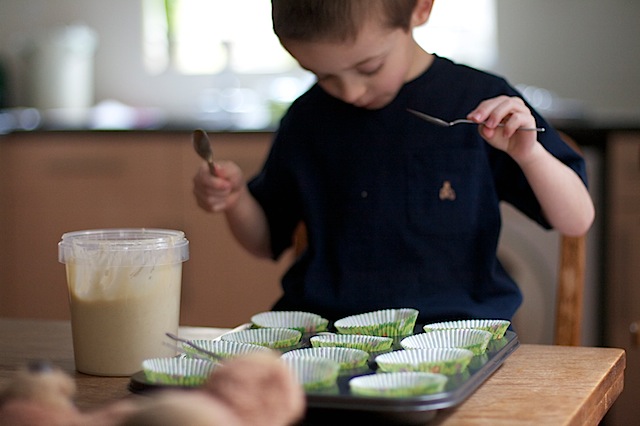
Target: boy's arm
(564, 198)
(228, 192)
(249, 225)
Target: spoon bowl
(202, 145)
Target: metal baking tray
(338, 404)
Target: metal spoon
(203, 147)
(194, 346)
(443, 123)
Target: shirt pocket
(444, 190)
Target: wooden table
(537, 384)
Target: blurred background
(209, 60)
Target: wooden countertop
(537, 384)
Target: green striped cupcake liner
(304, 322)
(354, 341)
(496, 327)
(385, 322)
(177, 371)
(347, 358)
(313, 374)
(398, 385)
(474, 340)
(274, 338)
(222, 348)
(447, 361)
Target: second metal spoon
(443, 123)
(194, 346)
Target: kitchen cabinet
(622, 286)
(54, 182)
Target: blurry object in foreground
(552, 106)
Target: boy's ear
(421, 12)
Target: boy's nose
(351, 91)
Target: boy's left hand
(513, 113)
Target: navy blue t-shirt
(399, 212)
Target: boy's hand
(218, 193)
(513, 114)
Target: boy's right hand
(218, 193)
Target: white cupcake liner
(313, 373)
(177, 371)
(354, 341)
(474, 340)
(401, 384)
(446, 361)
(275, 338)
(385, 322)
(305, 322)
(496, 327)
(222, 348)
(347, 358)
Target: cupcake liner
(313, 373)
(354, 341)
(386, 322)
(446, 361)
(177, 371)
(222, 348)
(495, 326)
(401, 384)
(275, 338)
(304, 322)
(474, 340)
(347, 358)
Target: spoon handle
(194, 346)
(212, 168)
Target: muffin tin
(338, 403)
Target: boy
(399, 212)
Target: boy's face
(367, 72)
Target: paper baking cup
(177, 371)
(354, 341)
(304, 322)
(275, 338)
(313, 373)
(222, 348)
(474, 340)
(394, 385)
(496, 327)
(446, 361)
(386, 322)
(347, 358)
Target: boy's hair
(336, 20)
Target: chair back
(570, 284)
